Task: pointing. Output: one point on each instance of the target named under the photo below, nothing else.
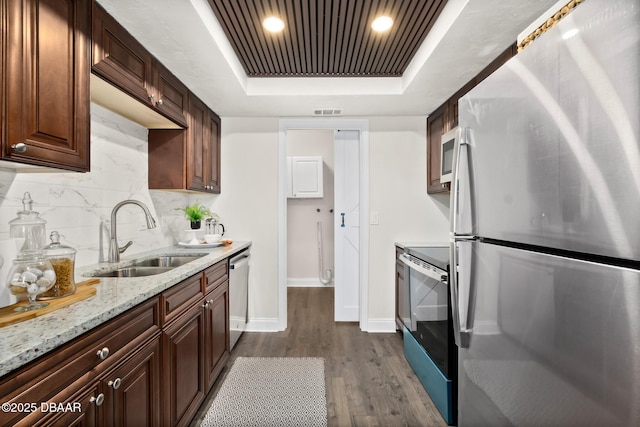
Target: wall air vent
(327, 112)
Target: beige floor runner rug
(271, 391)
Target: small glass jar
(30, 276)
(62, 258)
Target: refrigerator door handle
(461, 171)
(461, 331)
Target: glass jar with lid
(62, 259)
(28, 226)
(29, 276)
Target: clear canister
(62, 260)
(28, 226)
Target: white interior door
(347, 225)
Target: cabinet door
(132, 391)
(196, 160)
(171, 95)
(183, 367)
(435, 129)
(305, 176)
(83, 410)
(119, 58)
(216, 342)
(212, 152)
(187, 159)
(45, 114)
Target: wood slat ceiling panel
(328, 38)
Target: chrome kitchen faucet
(114, 250)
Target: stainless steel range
(428, 325)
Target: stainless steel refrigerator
(545, 216)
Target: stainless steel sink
(133, 272)
(149, 267)
(169, 261)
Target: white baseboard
(263, 325)
(381, 325)
(306, 283)
(272, 325)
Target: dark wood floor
(368, 380)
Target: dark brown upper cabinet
(122, 61)
(187, 159)
(45, 71)
(437, 122)
(445, 118)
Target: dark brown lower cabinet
(150, 366)
(216, 342)
(86, 416)
(183, 367)
(128, 395)
(132, 390)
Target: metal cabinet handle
(342, 214)
(103, 354)
(99, 400)
(205, 305)
(160, 102)
(115, 384)
(20, 147)
(151, 96)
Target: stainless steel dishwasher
(238, 295)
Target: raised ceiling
(188, 38)
(326, 38)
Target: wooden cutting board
(83, 290)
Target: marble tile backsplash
(78, 205)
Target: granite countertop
(25, 341)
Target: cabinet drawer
(216, 275)
(79, 360)
(180, 298)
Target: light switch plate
(373, 218)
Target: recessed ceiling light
(381, 23)
(273, 24)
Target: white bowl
(212, 238)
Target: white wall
(397, 193)
(248, 205)
(78, 205)
(302, 214)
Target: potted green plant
(195, 213)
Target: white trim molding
(263, 325)
(361, 125)
(382, 325)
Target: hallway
(368, 380)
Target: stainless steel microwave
(446, 154)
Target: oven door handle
(433, 274)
